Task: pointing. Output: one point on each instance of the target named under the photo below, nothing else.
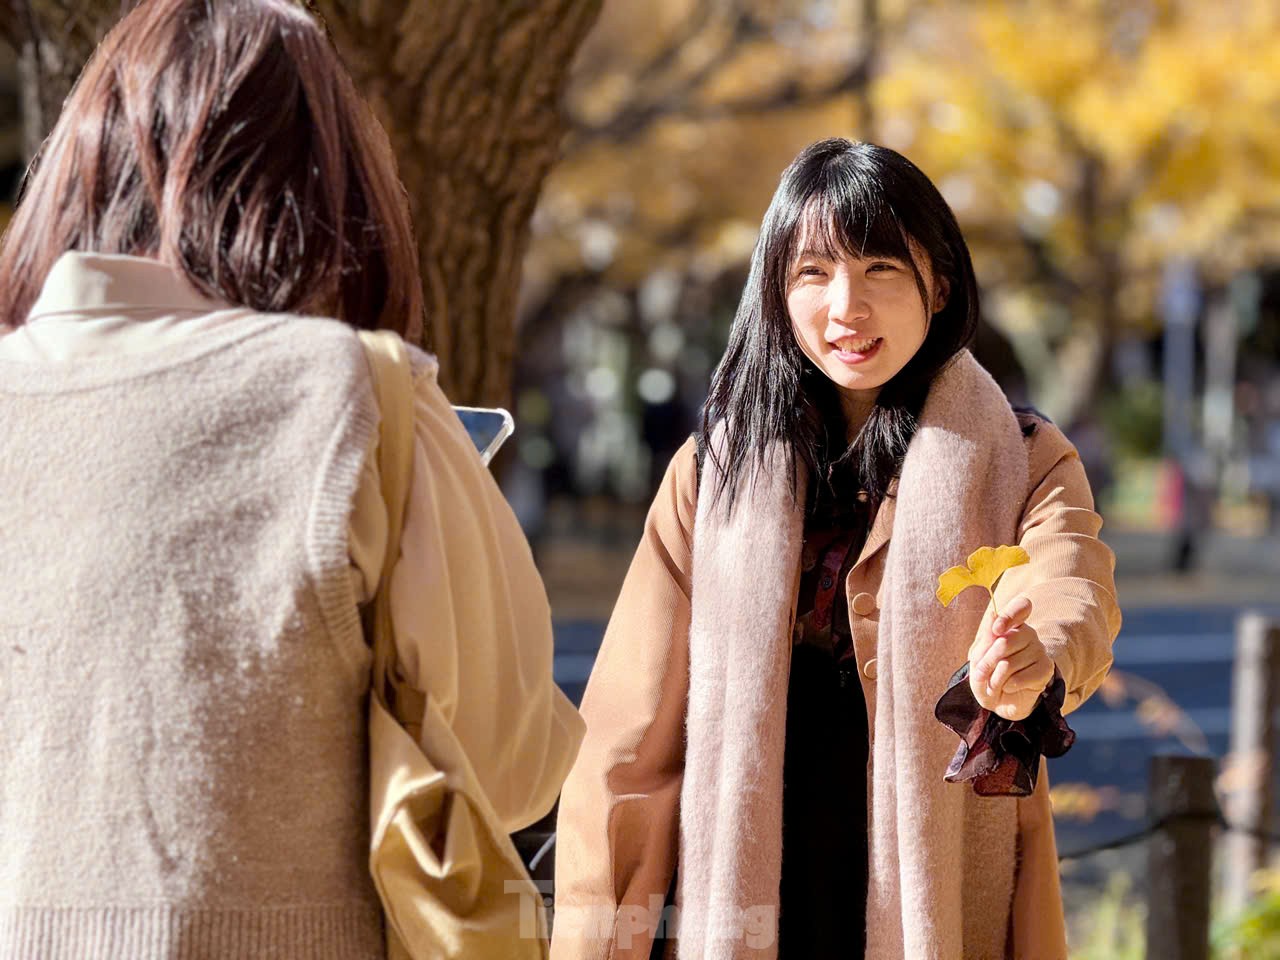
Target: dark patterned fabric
(824, 809)
(835, 531)
(1002, 757)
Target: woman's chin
(856, 381)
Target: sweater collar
(92, 283)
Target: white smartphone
(488, 427)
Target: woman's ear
(941, 291)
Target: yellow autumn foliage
(1173, 106)
(1082, 144)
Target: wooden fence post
(1180, 796)
(1247, 780)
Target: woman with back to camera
(192, 517)
(762, 743)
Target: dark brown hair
(225, 138)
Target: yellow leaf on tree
(984, 567)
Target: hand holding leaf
(1008, 666)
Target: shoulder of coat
(686, 464)
(1030, 420)
(1046, 443)
(683, 477)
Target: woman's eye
(809, 270)
(882, 267)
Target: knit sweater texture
(182, 671)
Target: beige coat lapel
(881, 527)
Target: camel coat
(619, 815)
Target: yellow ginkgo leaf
(989, 564)
(984, 567)
(953, 583)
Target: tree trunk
(52, 40)
(1103, 299)
(470, 92)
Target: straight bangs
(846, 216)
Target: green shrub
(1113, 925)
(1255, 933)
(1133, 419)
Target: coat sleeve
(1071, 577)
(471, 618)
(618, 824)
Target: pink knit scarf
(961, 487)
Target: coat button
(869, 668)
(864, 604)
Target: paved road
(1187, 652)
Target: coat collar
(93, 283)
(881, 526)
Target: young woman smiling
(764, 746)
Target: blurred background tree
(1083, 145)
(684, 112)
(1086, 146)
(470, 92)
(51, 39)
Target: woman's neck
(857, 409)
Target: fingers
(980, 675)
(1014, 711)
(1020, 672)
(980, 646)
(1031, 679)
(1005, 623)
(1000, 648)
(1013, 616)
(1021, 692)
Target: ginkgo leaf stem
(994, 612)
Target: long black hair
(852, 200)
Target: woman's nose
(845, 303)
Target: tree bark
(1104, 257)
(470, 92)
(52, 40)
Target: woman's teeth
(857, 346)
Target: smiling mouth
(851, 346)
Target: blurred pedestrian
(762, 751)
(192, 518)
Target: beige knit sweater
(182, 674)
